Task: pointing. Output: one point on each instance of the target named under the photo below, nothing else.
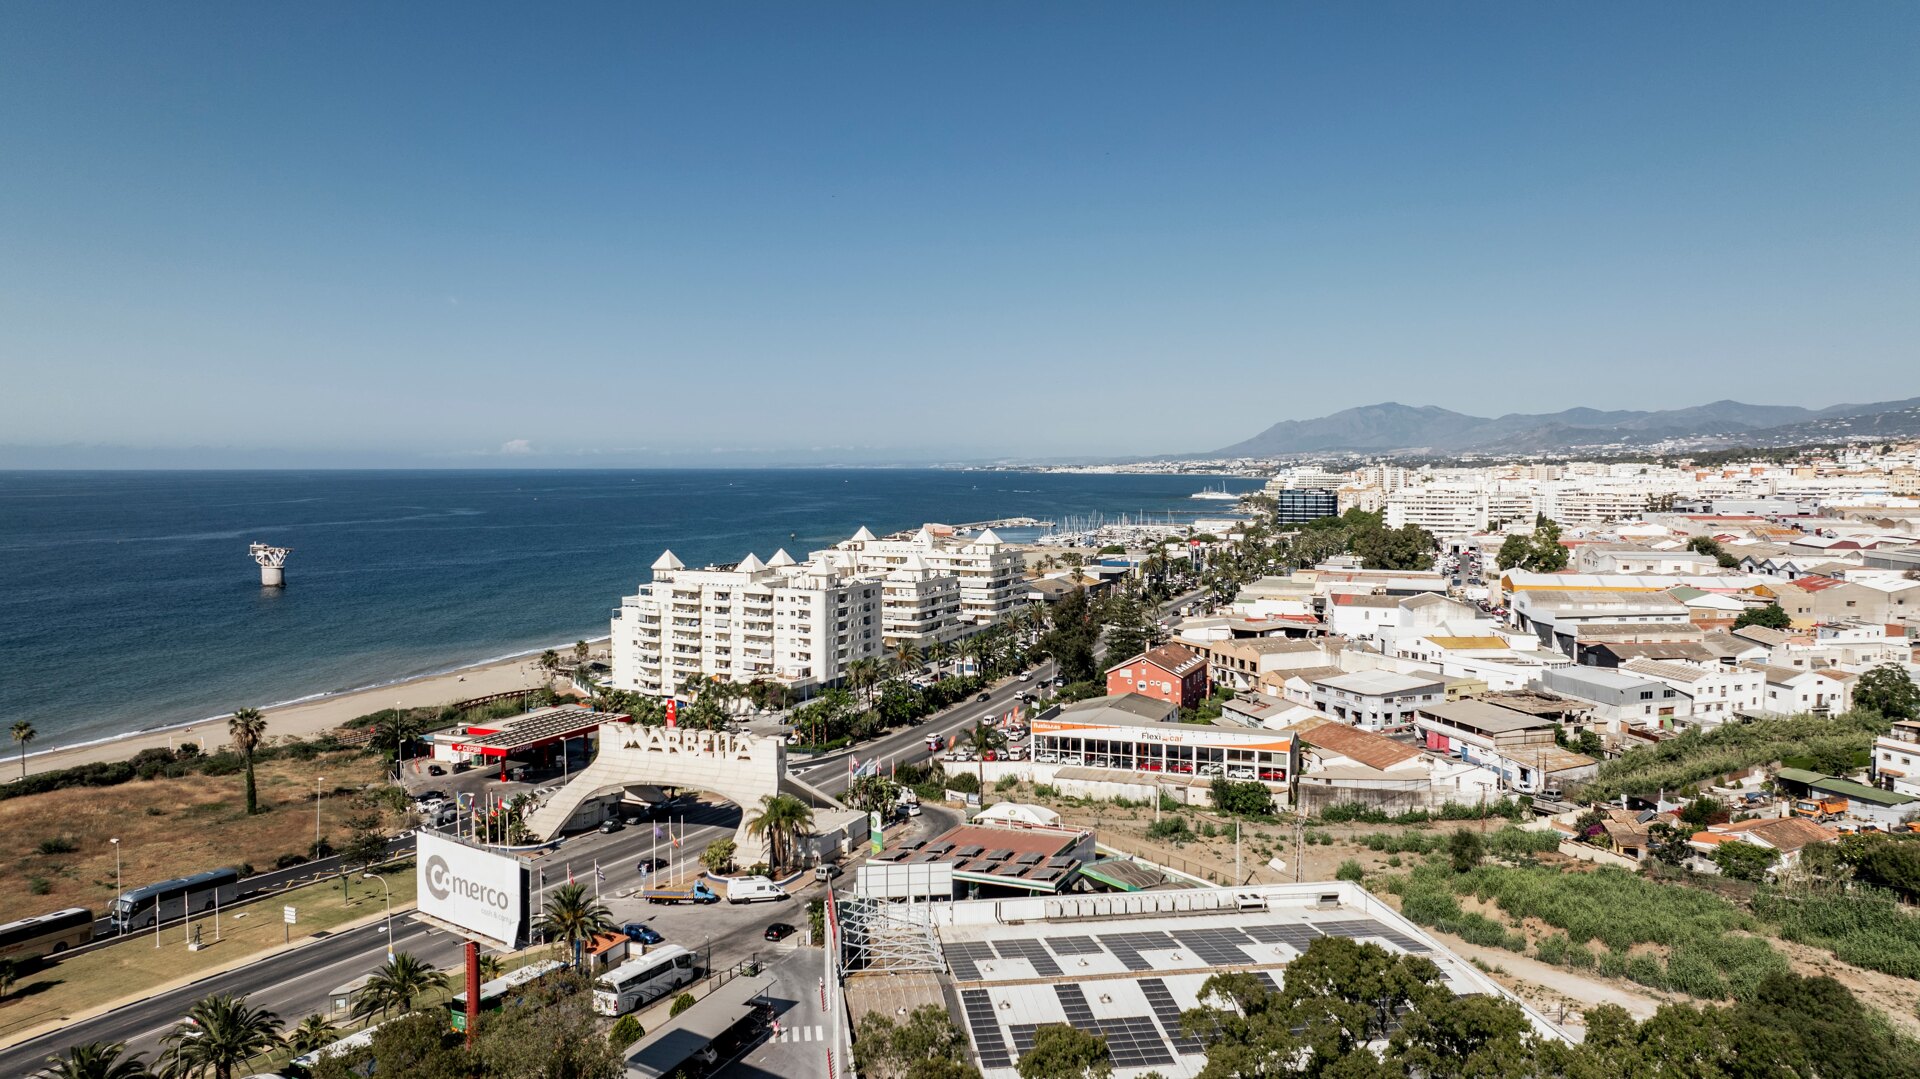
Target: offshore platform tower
(273, 561)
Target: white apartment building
(1896, 758)
(985, 571)
(1456, 509)
(1719, 692)
(782, 621)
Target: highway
(296, 983)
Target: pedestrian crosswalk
(800, 1034)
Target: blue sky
(413, 232)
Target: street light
(317, 780)
(389, 891)
(118, 891)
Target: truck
(699, 893)
(1820, 808)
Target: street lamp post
(389, 891)
(317, 780)
(118, 889)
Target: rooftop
(1125, 710)
(1372, 750)
(1378, 682)
(1126, 965)
(1478, 715)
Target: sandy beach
(321, 714)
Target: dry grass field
(168, 828)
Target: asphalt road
(294, 984)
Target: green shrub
(1350, 870)
(1828, 744)
(680, 1004)
(626, 1030)
(39, 886)
(1552, 948)
(1646, 970)
(1867, 928)
(1169, 828)
(57, 845)
(1393, 860)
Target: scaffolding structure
(883, 935)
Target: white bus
(638, 981)
(46, 934)
(352, 1043)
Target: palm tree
(395, 985)
(221, 1034)
(246, 728)
(906, 656)
(491, 967)
(313, 1032)
(782, 822)
(98, 1060)
(580, 651)
(981, 739)
(861, 675)
(574, 917)
(23, 733)
(549, 662)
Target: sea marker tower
(273, 561)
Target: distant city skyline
(483, 235)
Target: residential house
(1810, 600)
(1896, 758)
(1791, 691)
(1377, 700)
(1339, 764)
(1165, 672)
(1558, 618)
(1516, 746)
(1786, 836)
(1718, 693)
(1239, 663)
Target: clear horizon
(481, 236)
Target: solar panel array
(962, 957)
(1169, 1015)
(1133, 1041)
(1367, 927)
(1127, 947)
(986, 1029)
(1296, 937)
(1032, 952)
(1074, 946)
(1215, 947)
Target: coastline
(307, 716)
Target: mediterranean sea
(128, 601)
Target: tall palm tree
(395, 985)
(98, 1060)
(575, 917)
(313, 1033)
(549, 662)
(491, 967)
(23, 733)
(220, 1034)
(781, 823)
(580, 651)
(246, 728)
(981, 739)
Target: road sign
(289, 915)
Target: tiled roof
(1372, 750)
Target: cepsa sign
(479, 891)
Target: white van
(753, 890)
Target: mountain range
(1396, 428)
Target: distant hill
(1394, 427)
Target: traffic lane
(142, 1023)
(909, 744)
(800, 1047)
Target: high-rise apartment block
(802, 623)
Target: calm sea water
(128, 601)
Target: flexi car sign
(478, 890)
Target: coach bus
(175, 898)
(501, 991)
(46, 934)
(638, 981)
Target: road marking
(802, 1034)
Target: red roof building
(1169, 672)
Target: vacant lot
(167, 828)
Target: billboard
(897, 880)
(477, 890)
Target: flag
(569, 872)
(853, 766)
(599, 876)
(675, 838)
(673, 712)
(656, 830)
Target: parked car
(435, 770)
(640, 932)
(430, 796)
(610, 825)
(826, 871)
(779, 931)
